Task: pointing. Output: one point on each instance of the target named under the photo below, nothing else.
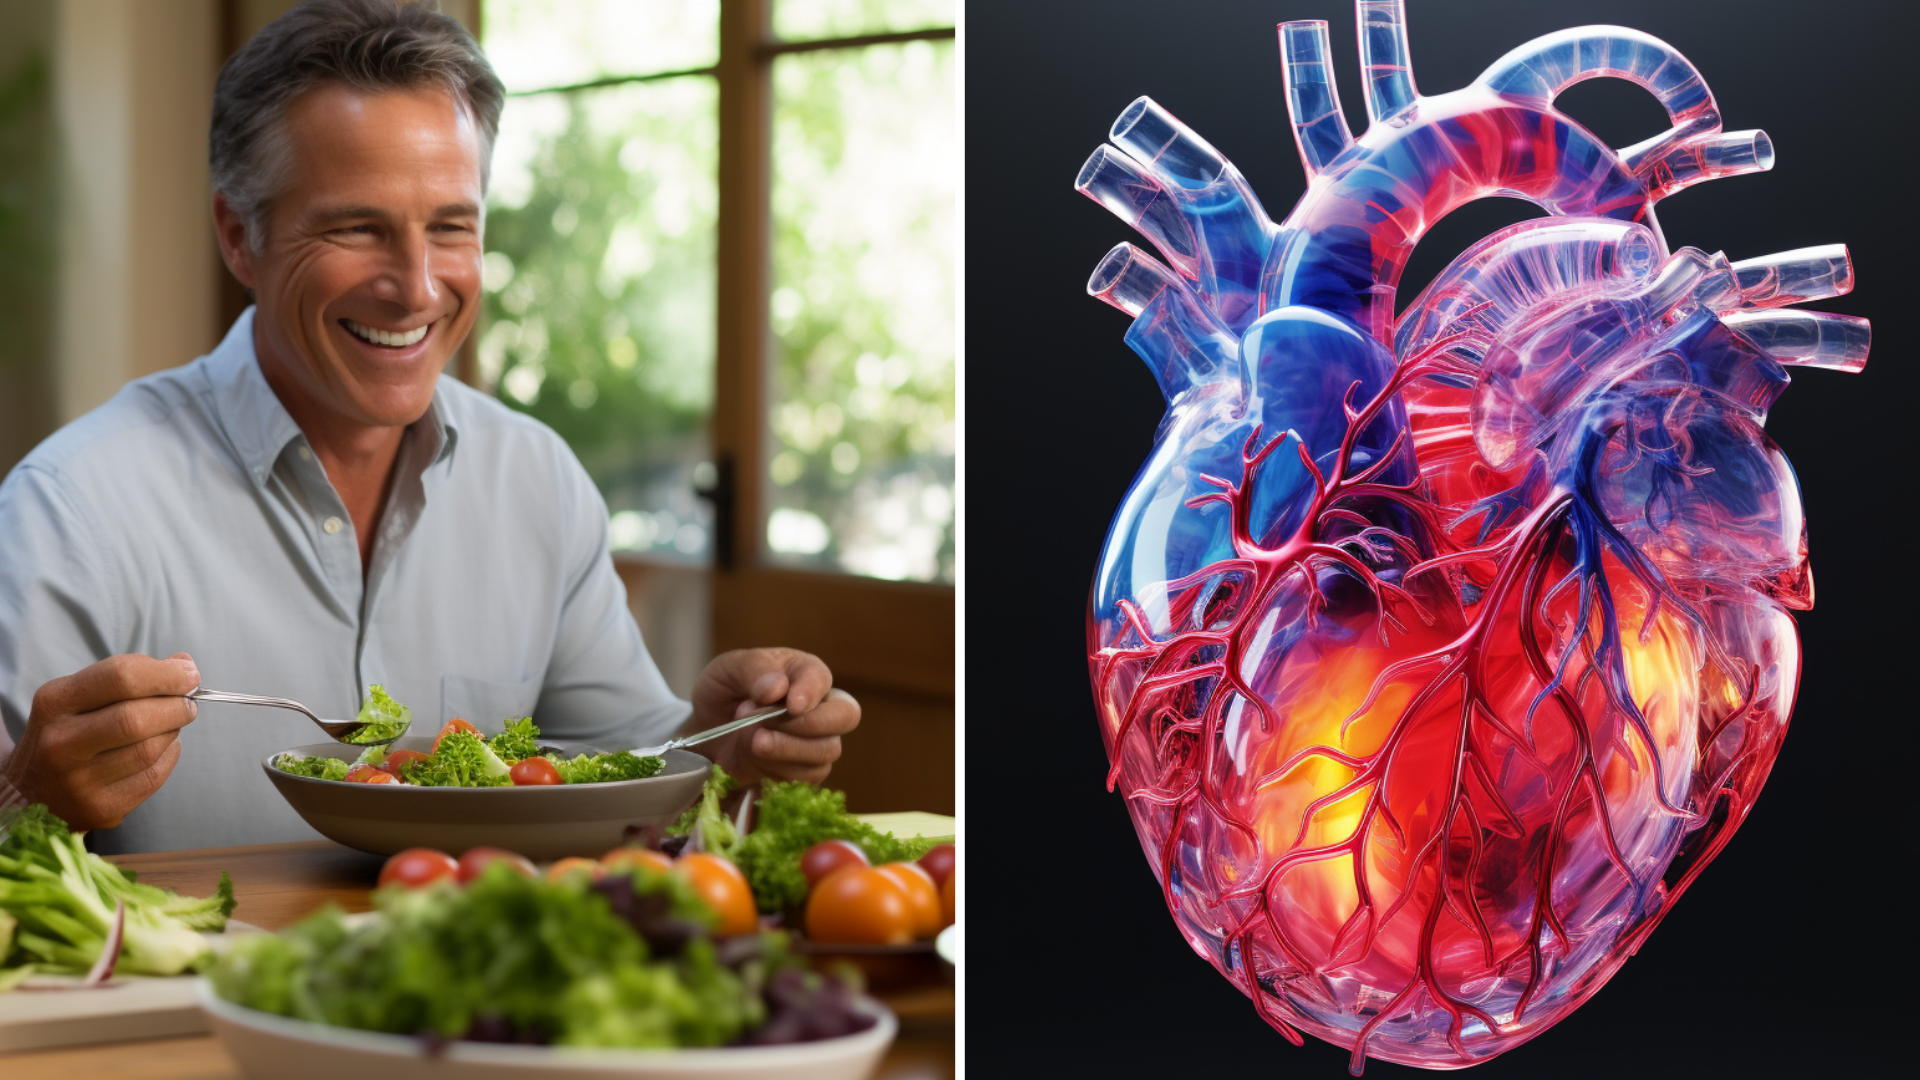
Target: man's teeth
(382, 337)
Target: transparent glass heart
(1435, 656)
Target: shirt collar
(257, 425)
(260, 427)
(438, 426)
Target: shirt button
(305, 454)
(331, 525)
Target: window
(605, 286)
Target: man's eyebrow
(335, 214)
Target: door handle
(713, 481)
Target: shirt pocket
(489, 706)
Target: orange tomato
(475, 861)
(453, 725)
(860, 905)
(923, 896)
(398, 760)
(947, 900)
(418, 866)
(724, 888)
(575, 865)
(532, 771)
(624, 859)
(367, 774)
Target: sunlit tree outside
(600, 271)
(865, 169)
(600, 293)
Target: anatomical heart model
(1436, 655)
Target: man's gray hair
(369, 45)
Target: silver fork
(698, 737)
(339, 730)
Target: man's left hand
(804, 744)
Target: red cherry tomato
(398, 760)
(947, 902)
(827, 856)
(453, 725)
(476, 860)
(419, 866)
(381, 776)
(623, 860)
(923, 896)
(573, 864)
(534, 770)
(938, 862)
(365, 774)
(859, 905)
(724, 888)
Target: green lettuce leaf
(386, 719)
(520, 740)
(600, 768)
(462, 759)
(320, 768)
(550, 960)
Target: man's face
(369, 276)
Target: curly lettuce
(461, 760)
(520, 740)
(627, 961)
(384, 718)
(319, 768)
(601, 768)
(790, 817)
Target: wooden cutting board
(129, 1007)
(907, 824)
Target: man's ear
(231, 230)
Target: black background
(1790, 955)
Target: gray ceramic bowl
(542, 823)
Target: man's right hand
(100, 741)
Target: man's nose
(408, 278)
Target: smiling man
(313, 507)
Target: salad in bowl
(462, 757)
(630, 971)
(461, 788)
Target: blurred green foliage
(600, 283)
(27, 236)
(26, 217)
(800, 20)
(600, 311)
(865, 168)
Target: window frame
(755, 600)
(846, 617)
(743, 343)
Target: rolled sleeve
(56, 592)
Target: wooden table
(277, 884)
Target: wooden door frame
(841, 617)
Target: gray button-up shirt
(189, 514)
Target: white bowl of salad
(460, 789)
(510, 977)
